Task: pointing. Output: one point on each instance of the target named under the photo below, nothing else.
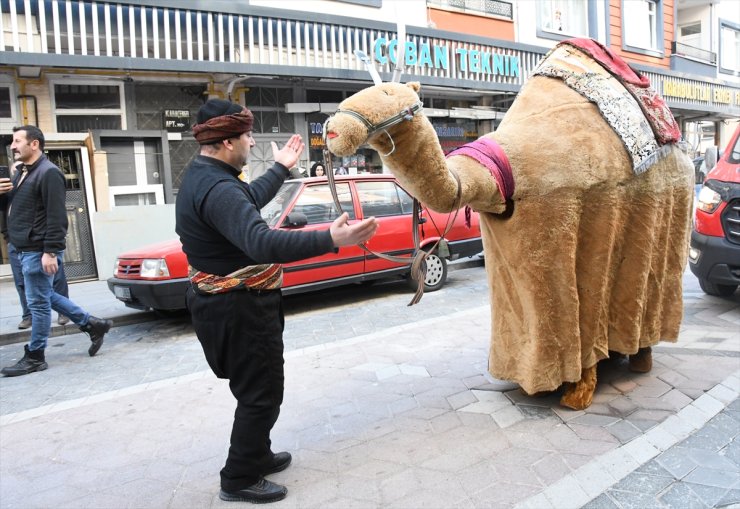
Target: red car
(714, 256)
(155, 276)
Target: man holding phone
(60, 278)
(36, 216)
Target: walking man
(235, 271)
(37, 227)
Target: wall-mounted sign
(316, 140)
(701, 92)
(176, 121)
(438, 57)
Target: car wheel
(715, 289)
(436, 273)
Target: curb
(57, 330)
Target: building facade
(115, 85)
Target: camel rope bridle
(418, 259)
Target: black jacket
(220, 226)
(37, 220)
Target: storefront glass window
(267, 105)
(454, 133)
(365, 160)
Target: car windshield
(274, 209)
(735, 154)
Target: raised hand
(291, 152)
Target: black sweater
(38, 217)
(220, 226)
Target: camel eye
(386, 92)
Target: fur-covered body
(587, 258)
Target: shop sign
(316, 139)
(176, 121)
(452, 136)
(438, 57)
(701, 92)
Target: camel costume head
(585, 201)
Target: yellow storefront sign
(689, 91)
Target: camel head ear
(414, 85)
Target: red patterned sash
(253, 277)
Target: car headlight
(708, 200)
(154, 267)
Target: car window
(274, 209)
(381, 199)
(318, 206)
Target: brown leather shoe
(62, 320)
(25, 323)
(642, 361)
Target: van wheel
(715, 289)
(436, 273)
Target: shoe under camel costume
(585, 198)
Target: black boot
(31, 361)
(96, 328)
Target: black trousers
(241, 333)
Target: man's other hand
(49, 264)
(291, 152)
(345, 234)
(5, 185)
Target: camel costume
(585, 227)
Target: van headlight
(154, 267)
(708, 200)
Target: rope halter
(405, 115)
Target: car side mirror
(295, 220)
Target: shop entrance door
(79, 257)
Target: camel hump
(619, 92)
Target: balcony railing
(492, 7)
(241, 37)
(684, 50)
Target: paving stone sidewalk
(701, 471)
(384, 408)
(405, 418)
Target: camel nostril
(331, 135)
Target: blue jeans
(42, 298)
(60, 279)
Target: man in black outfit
(235, 300)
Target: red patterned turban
(219, 120)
